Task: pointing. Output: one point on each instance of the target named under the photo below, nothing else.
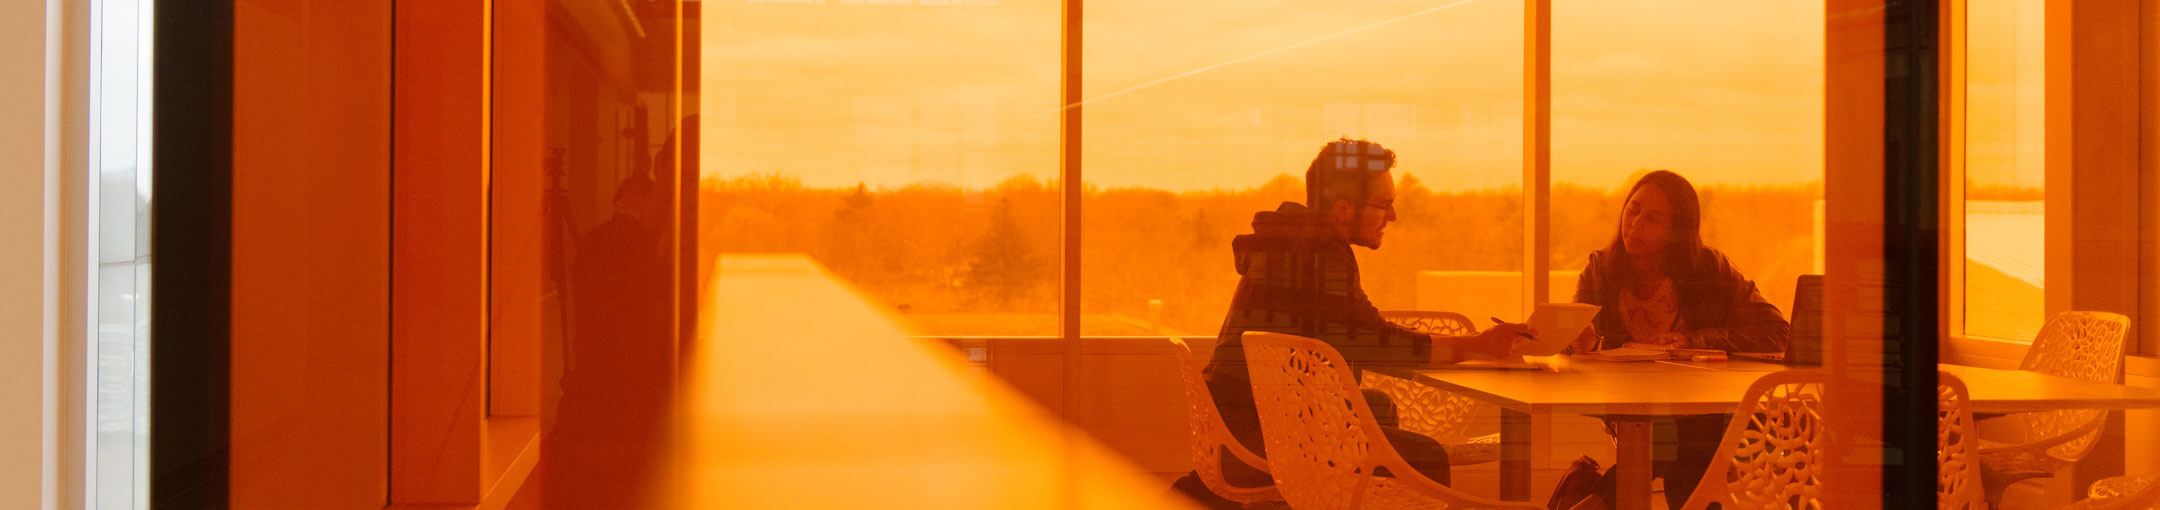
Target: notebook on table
(1632, 351)
(1492, 364)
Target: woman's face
(1646, 223)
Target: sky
(1221, 94)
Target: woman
(1658, 284)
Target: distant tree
(1003, 267)
(855, 203)
(1204, 235)
(851, 229)
(1410, 182)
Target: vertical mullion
(1952, 157)
(93, 144)
(1069, 189)
(2148, 316)
(1069, 97)
(1069, 174)
(1537, 152)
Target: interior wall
(2142, 448)
(311, 248)
(1853, 273)
(29, 208)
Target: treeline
(1163, 258)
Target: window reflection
(2005, 170)
(588, 130)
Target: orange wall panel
(311, 253)
(520, 270)
(439, 221)
(1853, 148)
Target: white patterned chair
(1773, 449)
(1957, 462)
(1323, 444)
(1442, 415)
(2122, 493)
(2086, 346)
(1210, 438)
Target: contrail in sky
(1262, 53)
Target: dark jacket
(1719, 308)
(1298, 277)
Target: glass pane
(118, 448)
(2005, 171)
(587, 122)
(909, 149)
(1199, 116)
(1727, 95)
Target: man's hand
(1499, 340)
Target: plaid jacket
(1299, 277)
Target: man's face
(1364, 223)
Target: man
(1299, 277)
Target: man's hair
(1343, 170)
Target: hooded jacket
(1298, 276)
(1719, 308)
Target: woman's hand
(1673, 340)
(1587, 342)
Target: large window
(1184, 143)
(1727, 94)
(937, 192)
(934, 155)
(2005, 207)
(911, 149)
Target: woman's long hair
(1685, 243)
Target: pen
(1496, 320)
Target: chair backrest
(1442, 415)
(1322, 441)
(2087, 346)
(1772, 452)
(1439, 323)
(2123, 493)
(1310, 414)
(1210, 437)
(1957, 448)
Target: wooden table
(1631, 394)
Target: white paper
(1557, 324)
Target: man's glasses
(1388, 206)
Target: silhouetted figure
(1659, 284)
(607, 449)
(1298, 276)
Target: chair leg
(1994, 485)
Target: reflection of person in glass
(610, 435)
(1299, 277)
(1660, 285)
